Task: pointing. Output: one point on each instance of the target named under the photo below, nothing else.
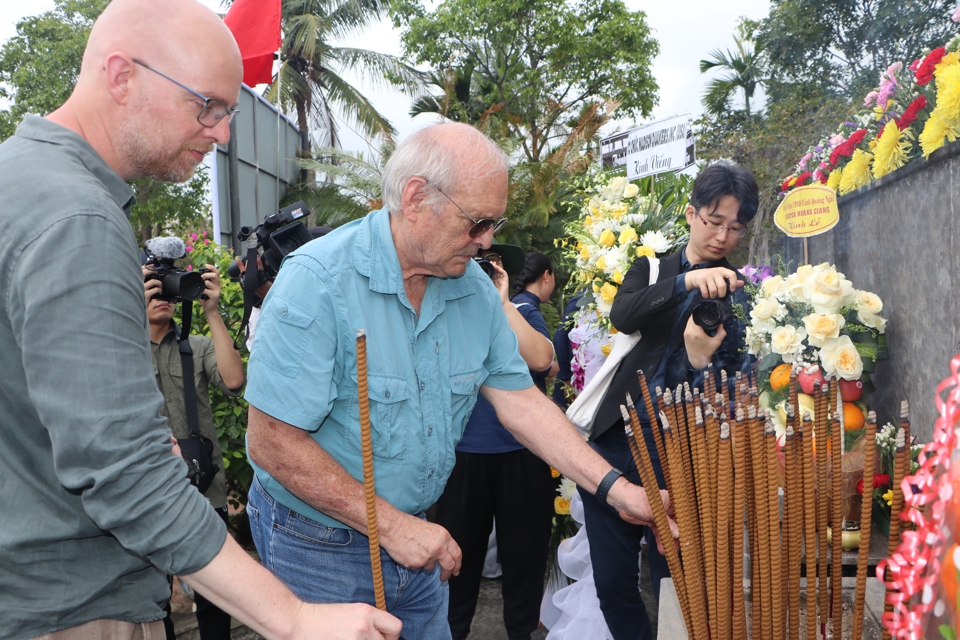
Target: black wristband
(612, 476)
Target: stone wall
(900, 238)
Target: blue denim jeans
(323, 564)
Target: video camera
(177, 284)
(275, 237)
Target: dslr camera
(275, 237)
(711, 313)
(177, 284)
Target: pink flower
(193, 236)
(956, 14)
(886, 90)
(824, 166)
(206, 241)
(804, 160)
(189, 266)
(893, 70)
(204, 234)
(189, 248)
(870, 99)
(913, 65)
(837, 140)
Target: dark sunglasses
(480, 226)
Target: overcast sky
(686, 29)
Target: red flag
(256, 27)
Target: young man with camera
(674, 348)
(216, 362)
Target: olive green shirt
(168, 367)
(95, 510)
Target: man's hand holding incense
(632, 504)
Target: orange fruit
(780, 376)
(852, 417)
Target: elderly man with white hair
(436, 335)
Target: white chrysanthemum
(656, 240)
(567, 488)
(616, 259)
(633, 219)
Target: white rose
(820, 327)
(787, 341)
(656, 240)
(771, 286)
(839, 356)
(630, 190)
(613, 192)
(868, 302)
(765, 309)
(794, 282)
(828, 291)
(872, 320)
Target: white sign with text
(659, 147)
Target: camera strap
(250, 279)
(186, 361)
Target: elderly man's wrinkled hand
(419, 544)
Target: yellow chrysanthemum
(833, 180)
(948, 92)
(873, 143)
(607, 238)
(585, 252)
(934, 132)
(605, 349)
(891, 151)
(857, 172)
(561, 506)
(888, 496)
(618, 277)
(601, 263)
(644, 250)
(607, 292)
(627, 235)
(951, 58)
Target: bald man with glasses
(96, 506)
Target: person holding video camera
(216, 362)
(497, 477)
(695, 284)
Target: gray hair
(431, 153)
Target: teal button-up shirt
(423, 372)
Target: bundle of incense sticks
(732, 499)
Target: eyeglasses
(480, 226)
(716, 228)
(213, 110)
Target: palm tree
(744, 72)
(311, 75)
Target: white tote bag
(584, 409)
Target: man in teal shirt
(436, 335)
(95, 510)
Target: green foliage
(229, 414)
(164, 208)
(348, 189)
(311, 76)
(842, 46)
(744, 69)
(534, 64)
(40, 65)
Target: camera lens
(188, 285)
